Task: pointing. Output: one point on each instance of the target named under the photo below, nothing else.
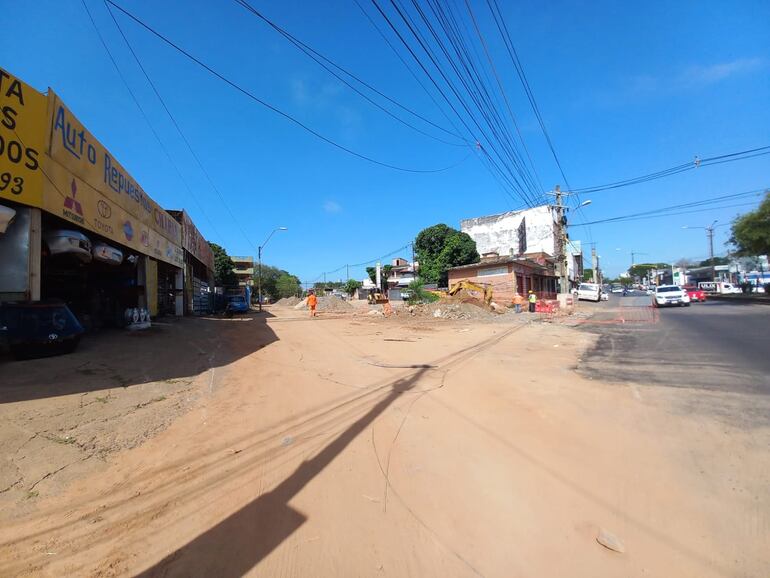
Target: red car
(694, 293)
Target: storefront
(76, 227)
(198, 267)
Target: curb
(739, 299)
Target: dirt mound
(301, 304)
(327, 303)
(288, 301)
(333, 303)
(447, 309)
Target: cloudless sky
(624, 88)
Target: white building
(526, 232)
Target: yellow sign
(89, 187)
(22, 140)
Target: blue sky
(623, 89)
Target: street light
(710, 235)
(259, 260)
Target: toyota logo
(104, 209)
(53, 337)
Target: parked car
(37, 329)
(618, 289)
(667, 295)
(694, 293)
(588, 292)
(236, 304)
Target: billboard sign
(194, 242)
(89, 187)
(22, 140)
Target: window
(493, 271)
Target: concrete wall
(499, 233)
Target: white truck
(718, 287)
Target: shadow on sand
(238, 543)
(171, 349)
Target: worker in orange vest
(518, 301)
(312, 301)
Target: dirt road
(354, 446)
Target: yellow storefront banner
(22, 140)
(87, 186)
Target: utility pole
(561, 239)
(259, 257)
(594, 264)
(259, 277)
(710, 233)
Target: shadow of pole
(240, 541)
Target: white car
(666, 295)
(588, 292)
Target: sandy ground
(362, 446)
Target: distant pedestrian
(312, 302)
(518, 300)
(532, 301)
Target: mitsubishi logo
(72, 203)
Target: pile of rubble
(327, 303)
(288, 301)
(451, 310)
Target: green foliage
(384, 274)
(270, 276)
(440, 247)
(588, 274)
(287, 285)
(223, 267)
(351, 285)
(717, 261)
(417, 293)
(643, 269)
(751, 232)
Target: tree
(751, 232)
(384, 274)
(269, 277)
(223, 267)
(287, 285)
(588, 274)
(351, 285)
(642, 270)
(716, 261)
(440, 247)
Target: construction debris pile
(327, 303)
(288, 301)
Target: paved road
(715, 345)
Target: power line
(502, 91)
(315, 56)
(475, 85)
(147, 120)
(694, 164)
(449, 84)
(178, 128)
(276, 110)
(665, 211)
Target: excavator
(482, 288)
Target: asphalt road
(715, 345)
